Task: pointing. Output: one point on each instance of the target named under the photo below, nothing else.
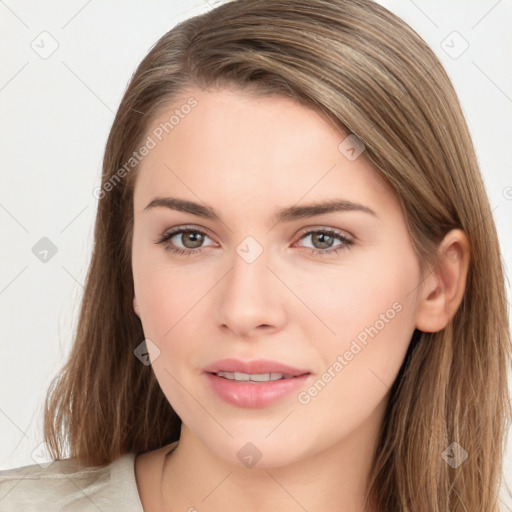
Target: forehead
(232, 148)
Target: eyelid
(171, 232)
(187, 227)
(338, 231)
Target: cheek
(366, 292)
(171, 301)
(166, 294)
(372, 310)
(169, 315)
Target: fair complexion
(295, 303)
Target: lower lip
(254, 394)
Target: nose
(251, 299)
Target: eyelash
(347, 243)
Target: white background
(55, 115)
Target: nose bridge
(249, 267)
(250, 293)
(249, 276)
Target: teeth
(254, 377)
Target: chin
(257, 452)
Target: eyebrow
(288, 214)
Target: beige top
(64, 486)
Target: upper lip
(253, 367)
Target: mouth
(254, 384)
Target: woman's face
(332, 294)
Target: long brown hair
(373, 76)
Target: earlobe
(443, 288)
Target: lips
(257, 366)
(254, 384)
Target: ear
(136, 306)
(443, 288)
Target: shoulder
(65, 486)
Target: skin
(246, 157)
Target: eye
(324, 240)
(191, 239)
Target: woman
(295, 299)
